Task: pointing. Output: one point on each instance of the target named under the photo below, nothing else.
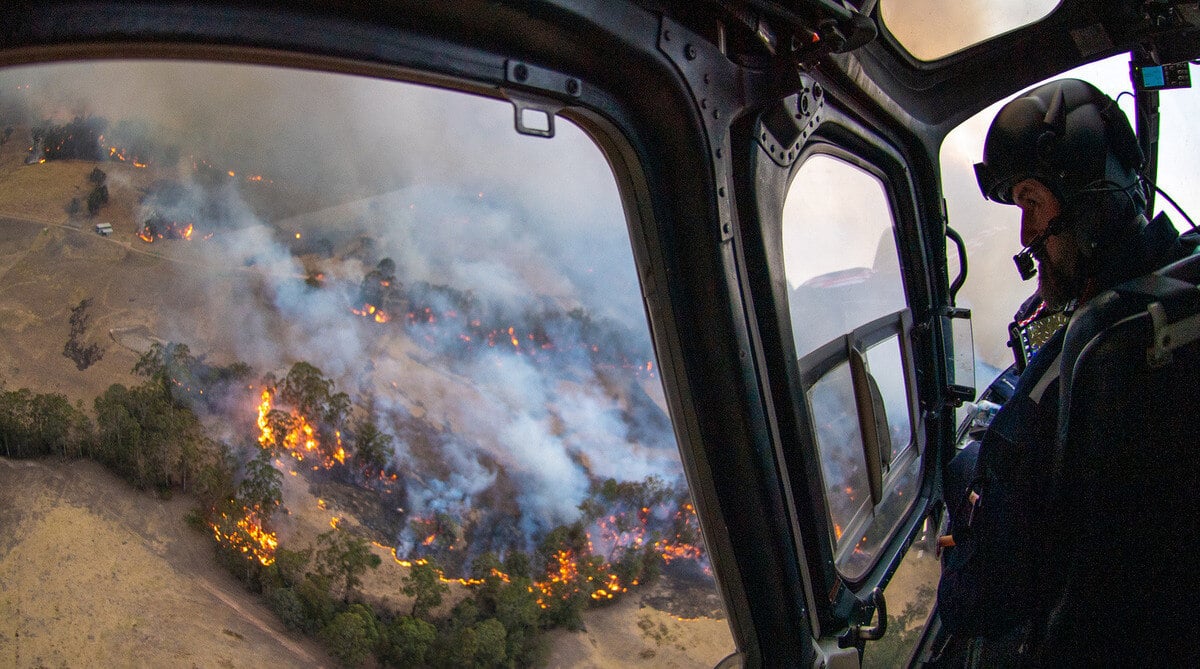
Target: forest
(152, 436)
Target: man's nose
(1030, 227)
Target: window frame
(835, 600)
(827, 357)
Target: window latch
(876, 631)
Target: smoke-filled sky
(931, 29)
(339, 136)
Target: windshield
(387, 357)
(932, 29)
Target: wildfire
(118, 154)
(373, 312)
(160, 228)
(300, 440)
(611, 589)
(247, 536)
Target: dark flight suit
(991, 591)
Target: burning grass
(157, 227)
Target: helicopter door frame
(841, 608)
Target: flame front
(247, 536)
(300, 440)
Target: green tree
(262, 487)
(14, 420)
(307, 390)
(407, 642)
(458, 641)
(516, 564)
(372, 448)
(288, 606)
(290, 565)
(487, 568)
(336, 408)
(348, 638)
(517, 609)
(423, 583)
(490, 643)
(343, 558)
(212, 479)
(141, 436)
(169, 366)
(96, 199)
(319, 606)
(56, 427)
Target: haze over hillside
(494, 335)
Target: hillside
(150, 583)
(93, 574)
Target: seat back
(1122, 564)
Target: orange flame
(248, 537)
(301, 439)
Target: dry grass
(94, 574)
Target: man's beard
(1058, 285)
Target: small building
(104, 229)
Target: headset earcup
(1121, 138)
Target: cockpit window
(850, 325)
(933, 29)
(387, 356)
(839, 252)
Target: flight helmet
(1077, 142)
(1066, 134)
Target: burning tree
(239, 524)
(572, 576)
(379, 296)
(312, 425)
(78, 139)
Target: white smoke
(440, 183)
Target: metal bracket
(527, 107)
(1169, 336)
(783, 130)
(859, 633)
(713, 81)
